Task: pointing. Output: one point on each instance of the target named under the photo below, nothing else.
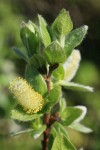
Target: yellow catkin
(30, 100)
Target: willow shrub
(52, 62)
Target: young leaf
(19, 114)
(54, 53)
(36, 80)
(20, 54)
(62, 24)
(74, 38)
(62, 143)
(76, 86)
(59, 73)
(44, 32)
(72, 114)
(81, 128)
(71, 65)
(29, 39)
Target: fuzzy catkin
(30, 100)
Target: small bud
(30, 100)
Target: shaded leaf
(74, 38)
(38, 61)
(20, 54)
(29, 39)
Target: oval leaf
(36, 80)
(62, 24)
(74, 38)
(54, 53)
(72, 114)
(59, 72)
(44, 32)
(19, 114)
(81, 128)
(29, 39)
(62, 143)
(71, 65)
(76, 86)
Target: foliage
(52, 62)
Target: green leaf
(21, 132)
(62, 143)
(81, 128)
(72, 114)
(19, 114)
(52, 98)
(71, 65)
(76, 86)
(37, 133)
(56, 128)
(36, 80)
(62, 104)
(38, 61)
(29, 39)
(60, 129)
(54, 53)
(20, 54)
(62, 24)
(54, 95)
(74, 38)
(44, 31)
(59, 72)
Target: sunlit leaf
(76, 86)
(72, 114)
(62, 24)
(74, 38)
(71, 65)
(54, 53)
(37, 133)
(80, 127)
(19, 114)
(59, 72)
(62, 143)
(44, 31)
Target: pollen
(30, 100)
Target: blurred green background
(12, 12)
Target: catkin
(30, 100)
